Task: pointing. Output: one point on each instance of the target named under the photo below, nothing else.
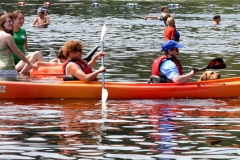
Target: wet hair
(170, 21)
(71, 46)
(15, 13)
(59, 54)
(216, 17)
(165, 17)
(3, 19)
(163, 8)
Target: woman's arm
(75, 70)
(12, 45)
(94, 59)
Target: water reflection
(71, 129)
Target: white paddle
(104, 91)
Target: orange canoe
(221, 88)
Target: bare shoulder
(7, 36)
(4, 34)
(54, 60)
(72, 65)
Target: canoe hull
(223, 88)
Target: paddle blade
(104, 95)
(216, 63)
(103, 32)
(104, 91)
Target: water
(128, 129)
(146, 129)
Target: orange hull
(222, 88)
(48, 70)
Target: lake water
(128, 129)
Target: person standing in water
(41, 21)
(216, 19)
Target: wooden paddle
(104, 91)
(216, 63)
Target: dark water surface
(146, 129)
(137, 129)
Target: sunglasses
(77, 50)
(176, 49)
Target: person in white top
(7, 46)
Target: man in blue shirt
(167, 67)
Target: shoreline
(98, 1)
(132, 1)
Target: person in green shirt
(20, 38)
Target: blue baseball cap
(40, 9)
(170, 44)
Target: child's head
(170, 22)
(60, 55)
(164, 9)
(40, 11)
(217, 18)
(165, 17)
